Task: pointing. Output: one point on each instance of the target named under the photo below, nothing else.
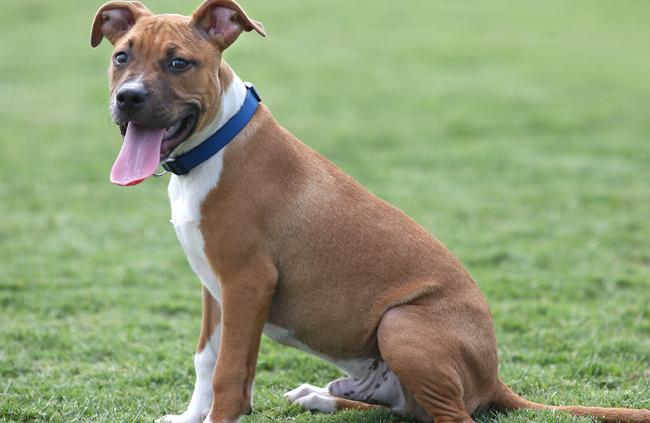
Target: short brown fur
(297, 243)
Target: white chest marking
(187, 192)
(186, 199)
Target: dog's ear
(114, 19)
(221, 21)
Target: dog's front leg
(204, 362)
(246, 299)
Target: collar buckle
(171, 165)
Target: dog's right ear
(221, 21)
(114, 19)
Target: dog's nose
(131, 98)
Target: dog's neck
(187, 192)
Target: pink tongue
(139, 157)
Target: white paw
(325, 403)
(302, 391)
(312, 398)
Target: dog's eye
(179, 65)
(120, 58)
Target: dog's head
(165, 76)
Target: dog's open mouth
(173, 136)
(176, 134)
(145, 147)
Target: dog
(288, 245)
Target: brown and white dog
(288, 245)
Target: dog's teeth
(173, 129)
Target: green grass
(517, 132)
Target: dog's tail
(506, 399)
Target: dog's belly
(287, 337)
(354, 367)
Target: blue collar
(216, 142)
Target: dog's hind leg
(371, 384)
(321, 399)
(204, 363)
(445, 356)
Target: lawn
(516, 132)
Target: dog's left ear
(114, 19)
(222, 21)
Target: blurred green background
(517, 132)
